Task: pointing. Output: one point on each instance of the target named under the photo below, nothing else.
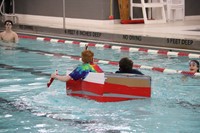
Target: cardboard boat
(111, 87)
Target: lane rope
(120, 48)
(115, 63)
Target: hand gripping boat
(110, 87)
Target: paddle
(51, 80)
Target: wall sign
(179, 41)
(131, 37)
(83, 33)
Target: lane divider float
(121, 48)
(115, 63)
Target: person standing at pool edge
(82, 70)
(9, 36)
(126, 66)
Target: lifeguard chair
(175, 9)
(147, 8)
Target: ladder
(147, 8)
(8, 16)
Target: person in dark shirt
(126, 66)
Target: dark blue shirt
(133, 71)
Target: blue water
(28, 106)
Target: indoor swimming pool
(27, 105)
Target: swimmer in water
(8, 36)
(194, 66)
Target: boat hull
(113, 88)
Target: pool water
(27, 105)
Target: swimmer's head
(194, 66)
(87, 56)
(125, 64)
(8, 22)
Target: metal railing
(6, 16)
(64, 14)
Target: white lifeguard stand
(147, 7)
(175, 9)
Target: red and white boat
(111, 87)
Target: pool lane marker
(115, 63)
(158, 69)
(120, 48)
(100, 61)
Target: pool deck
(178, 35)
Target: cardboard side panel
(93, 87)
(74, 85)
(136, 82)
(121, 89)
